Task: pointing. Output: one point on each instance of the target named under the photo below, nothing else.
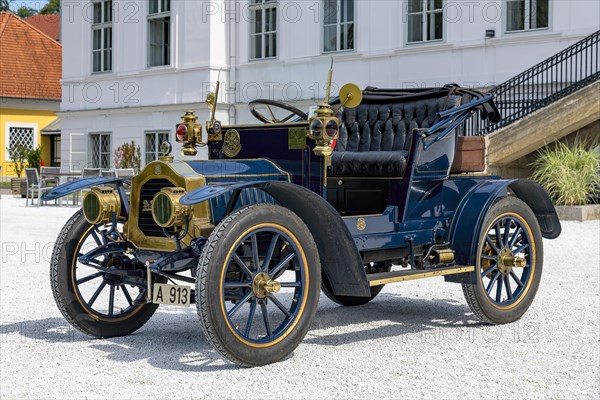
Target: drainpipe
(231, 82)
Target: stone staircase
(555, 99)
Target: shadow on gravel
(388, 316)
(174, 340)
(54, 330)
(170, 340)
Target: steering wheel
(279, 104)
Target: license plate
(175, 295)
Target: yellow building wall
(14, 116)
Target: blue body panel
(431, 206)
(221, 174)
(272, 141)
(227, 170)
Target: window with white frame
(525, 15)
(99, 155)
(425, 20)
(21, 136)
(338, 25)
(102, 36)
(263, 29)
(153, 142)
(159, 33)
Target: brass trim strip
(477, 174)
(429, 274)
(283, 175)
(363, 215)
(387, 178)
(262, 126)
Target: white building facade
(131, 68)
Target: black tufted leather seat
(374, 137)
(368, 163)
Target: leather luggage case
(470, 154)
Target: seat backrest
(49, 171)
(32, 177)
(88, 172)
(108, 174)
(385, 126)
(125, 172)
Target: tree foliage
(18, 156)
(26, 12)
(53, 7)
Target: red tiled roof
(30, 61)
(47, 23)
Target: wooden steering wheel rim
(279, 104)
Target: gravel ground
(417, 339)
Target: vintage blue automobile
(345, 200)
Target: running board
(399, 276)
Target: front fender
(79, 184)
(208, 192)
(468, 218)
(340, 259)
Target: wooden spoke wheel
(95, 297)
(508, 263)
(258, 286)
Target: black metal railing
(560, 75)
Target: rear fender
(468, 218)
(340, 260)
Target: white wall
(208, 36)
(382, 58)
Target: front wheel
(258, 284)
(508, 264)
(94, 300)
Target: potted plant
(18, 157)
(570, 173)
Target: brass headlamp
(99, 204)
(323, 128)
(167, 211)
(189, 132)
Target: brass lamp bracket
(213, 127)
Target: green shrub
(34, 158)
(570, 173)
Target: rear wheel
(508, 264)
(351, 301)
(258, 285)
(94, 300)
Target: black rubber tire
(64, 291)
(349, 301)
(208, 295)
(475, 294)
